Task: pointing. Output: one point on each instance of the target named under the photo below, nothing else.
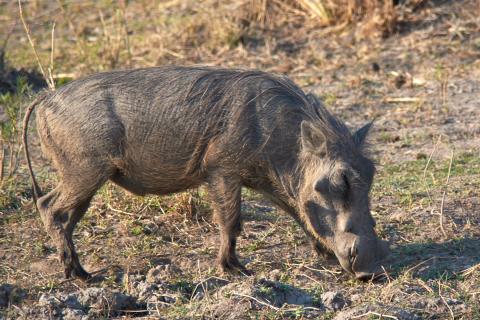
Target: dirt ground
(421, 85)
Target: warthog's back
(163, 128)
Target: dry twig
(256, 300)
(48, 79)
(445, 302)
(426, 168)
(381, 315)
(444, 195)
(427, 187)
(50, 68)
(418, 265)
(471, 270)
(402, 99)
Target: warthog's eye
(322, 186)
(338, 187)
(345, 182)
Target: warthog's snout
(362, 255)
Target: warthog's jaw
(361, 256)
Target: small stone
(91, 297)
(275, 274)
(144, 290)
(333, 300)
(161, 273)
(454, 301)
(71, 301)
(74, 314)
(207, 285)
(102, 299)
(122, 301)
(278, 293)
(356, 297)
(48, 300)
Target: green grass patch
(410, 183)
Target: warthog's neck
(285, 189)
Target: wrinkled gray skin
(168, 129)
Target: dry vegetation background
(412, 65)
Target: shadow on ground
(426, 261)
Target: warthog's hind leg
(60, 211)
(75, 269)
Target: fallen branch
(120, 211)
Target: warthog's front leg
(225, 194)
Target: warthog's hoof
(81, 274)
(77, 272)
(233, 266)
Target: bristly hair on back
(334, 130)
(215, 82)
(214, 89)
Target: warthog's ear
(362, 133)
(313, 140)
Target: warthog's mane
(220, 86)
(219, 92)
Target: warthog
(167, 129)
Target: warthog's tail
(37, 192)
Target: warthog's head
(334, 196)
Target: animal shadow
(441, 261)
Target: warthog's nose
(366, 264)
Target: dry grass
(102, 36)
(373, 18)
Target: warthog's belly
(161, 179)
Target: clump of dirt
(146, 295)
(235, 299)
(89, 303)
(334, 300)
